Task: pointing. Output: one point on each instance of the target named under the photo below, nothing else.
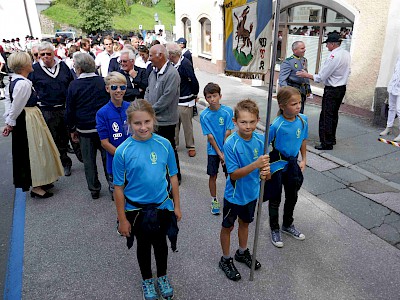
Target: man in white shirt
(334, 74)
(103, 58)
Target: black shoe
(246, 258)
(2, 98)
(229, 269)
(67, 171)
(47, 186)
(95, 194)
(323, 147)
(44, 196)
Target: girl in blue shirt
(147, 195)
(288, 136)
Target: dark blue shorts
(213, 162)
(232, 211)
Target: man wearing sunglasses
(51, 78)
(35, 54)
(135, 76)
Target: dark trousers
(329, 117)
(58, 129)
(159, 242)
(273, 193)
(168, 132)
(89, 146)
(303, 103)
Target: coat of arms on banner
(244, 21)
(248, 35)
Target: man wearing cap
(289, 67)
(182, 42)
(334, 74)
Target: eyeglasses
(123, 61)
(114, 87)
(46, 53)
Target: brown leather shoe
(192, 153)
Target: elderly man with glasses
(51, 78)
(135, 76)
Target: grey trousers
(185, 118)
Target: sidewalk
(360, 177)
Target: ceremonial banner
(248, 36)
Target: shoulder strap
(11, 87)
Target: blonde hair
(114, 77)
(284, 95)
(18, 61)
(140, 105)
(246, 105)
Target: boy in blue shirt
(111, 120)
(245, 164)
(216, 123)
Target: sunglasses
(46, 53)
(114, 87)
(122, 61)
(35, 54)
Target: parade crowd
(127, 98)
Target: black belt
(335, 87)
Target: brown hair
(211, 88)
(140, 105)
(246, 105)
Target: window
(205, 25)
(310, 23)
(187, 31)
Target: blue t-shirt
(238, 154)
(216, 122)
(142, 166)
(111, 125)
(288, 136)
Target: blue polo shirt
(216, 122)
(142, 166)
(287, 137)
(238, 154)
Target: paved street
(349, 200)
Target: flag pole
(267, 122)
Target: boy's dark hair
(211, 88)
(246, 105)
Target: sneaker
(246, 258)
(388, 130)
(276, 238)
(149, 290)
(215, 207)
(291, 230)
(229, 269)
(166, 290)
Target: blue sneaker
(291, 230)
(215, 207)
(149, 290)
(166, 290)
(276, 238)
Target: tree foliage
(119, 7)
(96, 14)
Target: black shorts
(213, 162)
(232, 211)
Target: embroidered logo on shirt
(298, 132)
(115, 126)
(255, 153)
(221, 121)
(153, 158)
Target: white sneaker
(388, 130)
(397, 138)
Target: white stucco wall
(195, 10)
(13, 20)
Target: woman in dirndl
(36, 161)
